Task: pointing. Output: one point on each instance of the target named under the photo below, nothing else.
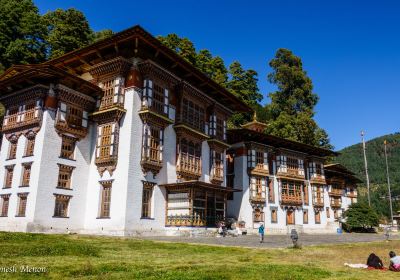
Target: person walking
(261, 232)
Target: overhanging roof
(336, 169)
(136, 42)
(244, 135)
(21, 76)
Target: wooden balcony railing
(154, 105)
(336, 192)
(189, 166)
(151, 159)
(315, 177)
(258, 198)
(71, 125)
(22, 119)
(259, 169)
(217, 175)
(111, 101)
(318, 203)
(291, 172)
(291, 199)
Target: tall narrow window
(317, 217)
(106, 141)
(217, 165)
(30, 146)
(9, 170)
(305, 194)
(152, 144)
(22, 200)
(290, 219)
(305, 216)
(193, 114)
(61, 205)
(146, 199)
(12, 152)
(105, 199)
(258, 215)
(67, 147)
(26, 174)
(328, 213)
(108, 94)
(274, 215)
(5, 200)
(64, 176)
(271, 193)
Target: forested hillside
(352, 158)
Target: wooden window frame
(287, 216)
(152, 143)
(271, 191)
(105, 200)
(305, 194)
(305, 216)
(12, 151)
(107, 140)
(64, 176)
(61, 206)
(8, 176)
(29, 147)
(261, 214)
(216, 163)
(193, 114)
(22, 204)
(147, 196)
(274, 219)
(5, 204)
(68, 145)
(317, 213)
(26, 174)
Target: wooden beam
(116, 48)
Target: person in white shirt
(394, 262)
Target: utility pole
(388, 181)
(366, 167)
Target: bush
(360, 217)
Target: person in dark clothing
(374, 261)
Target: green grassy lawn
(86, 257)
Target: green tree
(22, 33)
(102, 34)
(213, 67)
(291, 109)
(360, 216)
(67, 30)
(182, 46)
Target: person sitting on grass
(374, 262)
(394, 262)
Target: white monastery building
(124, 137)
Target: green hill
(352, 158)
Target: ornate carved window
(9, 170)
(257, 188)
(258, 215)
(146, 199)
(152, 144)
(155, 97)
(305, 216)
(274, 215)
(305, 194)
(67, 147)
(217, 127)
(318, 195)
(61, 205)
(290, 217)
(12, 151)
(22, 200)
(5, 201)
(105, 202)
(193, 114)
(30, 146)
(106, 141)
(317, 216)
(26, 174)
(257, 160)
(216, 165)
(73, 116)
(291, 188)
(64, 176)
(12, 116)
(189, 159)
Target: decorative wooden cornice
(151, 166)
(183, 130)
(217, 145)
(148, 116)
(66, 167)
(109, 164)
(113, 114)
(318, 180)
(76, 98)
(151, 70)
(25, 95)
(118, 66)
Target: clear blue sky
(351, 51)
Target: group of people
(375, 262)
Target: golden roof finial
(255, 116)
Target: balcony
(188, 166)
(318, 203)
(259, 197)
(336, 192)
(291, 199)
(291, 173)
(217, 176)
(111, 101)
(317, 178)
(151, 160)
(22, 120)
(260, 169)
(352, 195)
(70, 125)
(153, 110)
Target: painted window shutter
(265, 161)
(63, 111)
(144, 140)
(150, 92)
(148, 132)
(253, 187)
(224, 130)
(99, 133)
(161, 143)
(248, 158)
(253, 158)
(166, 101)
(112, 139)
(263, 188)
(85, 119)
